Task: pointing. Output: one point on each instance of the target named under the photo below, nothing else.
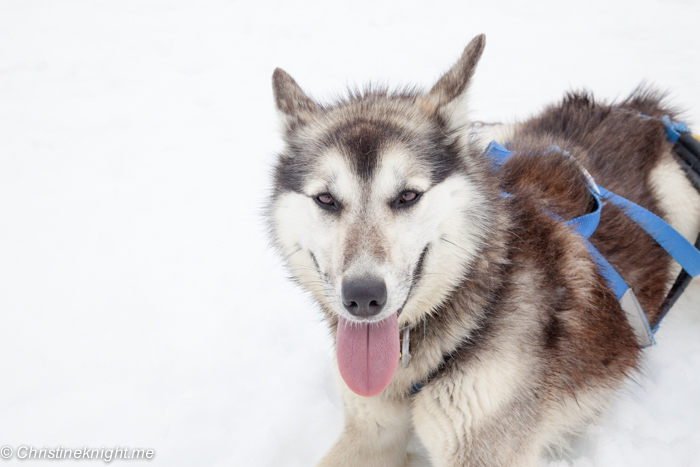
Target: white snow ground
(139, 303)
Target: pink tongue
(368, 354)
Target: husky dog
(388, 212)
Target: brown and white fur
(519, 337)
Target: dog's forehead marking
(370, 157)
(399, 170)
(362, 141)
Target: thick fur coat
(516, 337)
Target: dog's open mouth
(368, 354)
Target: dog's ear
(453, 86)
(293, 105)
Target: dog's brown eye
(406, 199)
(325, 199)
(409, 196)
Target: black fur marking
(553, 332)
(313, 258)
(419, 266)
(444, 160)
(292, 170)
(416, 276)
(363, 140)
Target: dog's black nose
(364, 297)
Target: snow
(140, 303)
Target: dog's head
(380, 203)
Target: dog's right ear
(293, 105)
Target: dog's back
(626, 150)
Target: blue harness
(687, 149)
(680, 249)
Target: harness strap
(670, 240)
(628, 300)
(674, 130)
(585, 226)
(687, 148)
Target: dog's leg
(376, 433)
(489, 408)
(463, 421)
(497, 408)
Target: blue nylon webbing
(615, 280)
(585, 226)
(497, 153)
(673, 129)
(680, 249)
(666, 236)
(670, 240)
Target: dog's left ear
(293, 105)
(455, 83)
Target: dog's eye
(326, 201)
(406, 199)
(409, 196)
